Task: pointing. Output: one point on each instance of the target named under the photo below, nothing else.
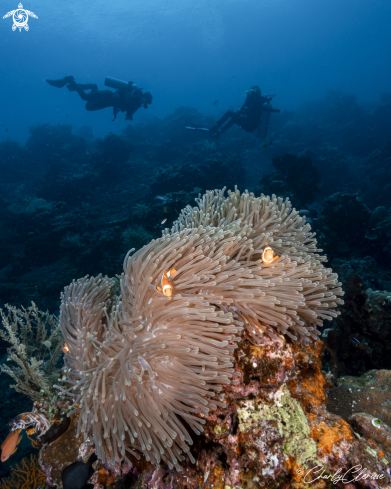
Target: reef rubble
(276, 432)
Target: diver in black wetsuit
(128, 98)
(248, 117)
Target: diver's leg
(88, 86)
(226, 116)
(229, 124)
(100, 100)
(80, 88)
(216, 129)
(76, 87)
(90, 106)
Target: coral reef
(297, 178)
(46, 140)
(372, 428)
(26, 475)
(87, 209)
(58, 454)
(124, 352)
(275, 432)
(67, 199)
(375, 168)
(35, 349)
(213, 167)
(360, 339)
(370, 394)
(347, 219)
(136, 237)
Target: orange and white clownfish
(268, 255)
(166, 287)
(65, 348)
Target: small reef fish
(355, 339)
(9, 445)
(160, 226)
(76, 475)
(166, 287)
(65, 348)
(268, 255)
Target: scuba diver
(127, 98)
(253, 116)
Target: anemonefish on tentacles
(166, 286)
(268, 255)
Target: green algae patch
(291, 422)
(220, 429)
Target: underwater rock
(44, 140)
(360, 339)
(297, 178)
(370, 394)
(378, 215)
(371, 275)
(274, 433)
(55, 456)
(14, 165)
(346, 220)
(115, 148)
(55, 431)
(374, 171)
(202, 166)
(380, 230)
(371, 427)
(30, 206)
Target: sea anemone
(142, 363)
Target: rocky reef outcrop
(277, 431)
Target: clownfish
(65, 348)
(268, 255)
(166, 287)
(8, 447)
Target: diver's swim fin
(198, 128)
(61, 83)
(212, 133)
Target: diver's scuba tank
(117, 84)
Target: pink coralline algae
(275, 432)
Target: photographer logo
(20, 17)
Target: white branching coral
(141, 364)
(35, 349)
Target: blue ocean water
(78, 190)
(190, 53)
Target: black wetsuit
(247, 117)
(129, 100)
(120, 100)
